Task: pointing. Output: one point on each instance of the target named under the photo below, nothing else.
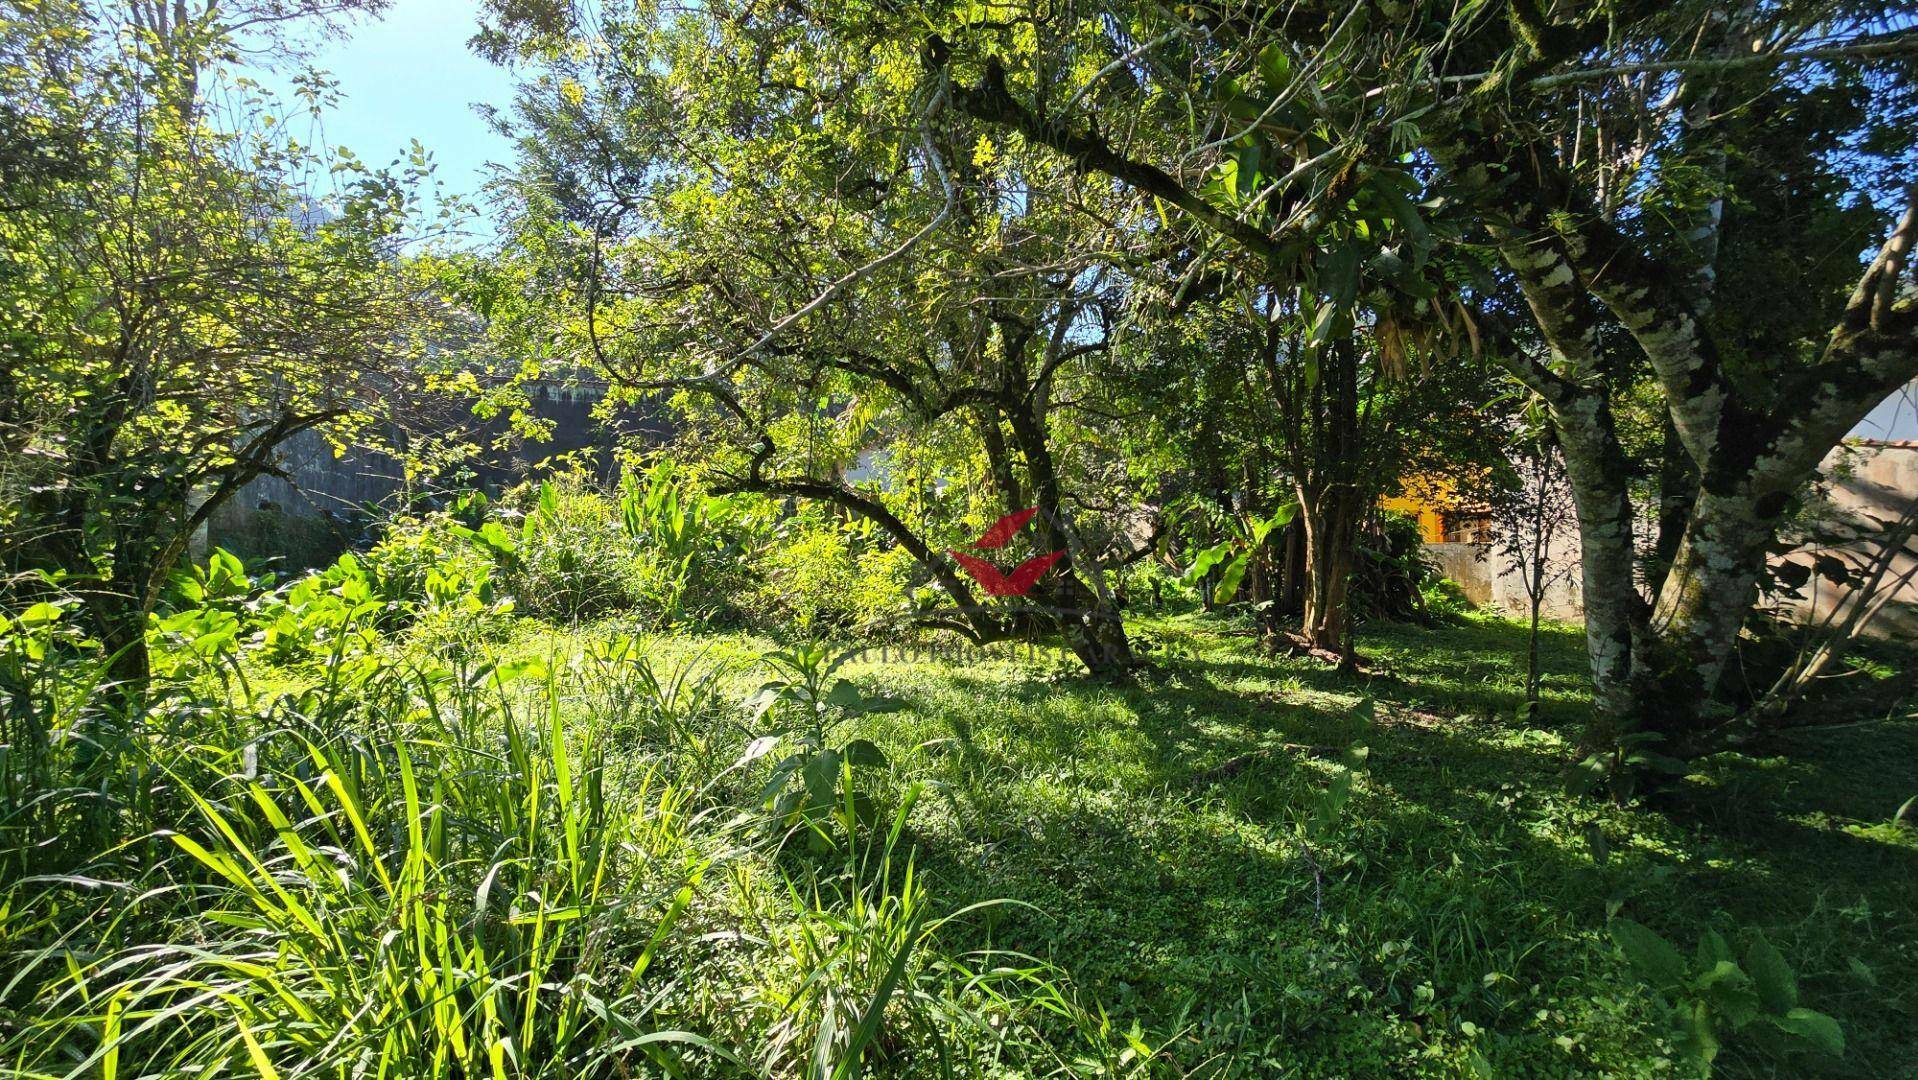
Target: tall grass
(429, 886)
(455, 868)
(853, 974)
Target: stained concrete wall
(1867, 482)
(1490, 579)
(322, 502)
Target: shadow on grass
(1199, 905)
(1457, 888)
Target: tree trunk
(1332, 500)
(1095, 633)
(1615, 614)
(1087, 616)
(1677, 490)
(1705, 598)
(1291, 598)
(1531, 653)
(1330, 520)
(120, 625)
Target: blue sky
(409, 75)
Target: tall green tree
(176, 303)
(1592, 150)
(1372, 163)
(1270, 176)
(784, 232)
(1623, 168)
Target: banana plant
(1236, 552)
(659, 511)
(676, 524)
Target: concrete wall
(321, 503)
(1489, 579)
(1867, 482)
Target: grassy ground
(1241, 866)
(1452, 920)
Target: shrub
(447, 607)
(695, 544)
(414, 870)
(574, 558)
(1717, 993)
(437, 893)
(1393, 573)
(1150, 586)
(806, 787)
(414, 547)
(817, 577)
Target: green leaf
(1815, 1028)
(1731, 993)
(844, 695)
(1777, 986)
(1247, 176)
(863, 752)
(1280, 519)
(1601, 848)
(852, 1061)
(821, 774)
(1203, 563)
(1670, 766)
(789, 804)
(1221, 188)
(1275, 67)
(1588, 775)
(1332, 801)
(781, 775)
(1338, 276)
(255, 1053)
(494, 536)
(1228, 586)
(757, 749)
(1322, 325)
(1405, 215)
(1700, 1040)
(1712, 948)
(1651, 956)
(764, 699)
(516, 670)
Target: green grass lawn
(1453, 920)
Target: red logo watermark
(1023, 577)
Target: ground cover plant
(573, 850)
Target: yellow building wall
(1423, 498)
